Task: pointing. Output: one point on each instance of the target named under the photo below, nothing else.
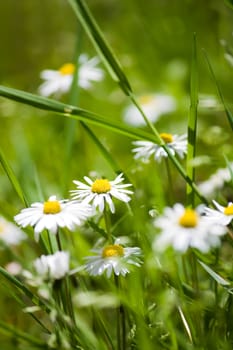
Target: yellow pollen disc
(101, 186)
(167, 138)
(145, 99)
(114, 250)
(67, 68)
(228, 210)
(189, 218)
(51, 207)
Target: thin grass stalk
(192, 125)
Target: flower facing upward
(10, 234)
(113, 258)
(54, 266)
(145, 149)
(223, 215)
(53, 214)
(153, 105)
(101, 191)
(183, 228)
(59, 81)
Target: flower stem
(121, 325)
(107, 220)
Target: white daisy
(53, 214)
(113, 258)
(101, 191)
(153, 105)
(54, 266)
(223, 215)
(183, 228)
(145, 149)
(59, 81)
(10, 234)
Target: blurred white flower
(216, 181)
(145, 149)
(101, 191)
(10, 234)
(53, 214)
(113, 258)
(182, 228)
(153, 105)
(54, 266)
(14, 268)
(223, 215)
(59, 81)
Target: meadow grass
(108, 267)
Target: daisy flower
(101, 192)
(182, 228)
(53, 214)
(10, 234)
(59, 81)
(113, 258)
(54, 266)
(223, 215)
(153, 105)
(145, 149)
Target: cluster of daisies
(178, 227)
(90, 198)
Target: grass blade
(93, 31)
(12, 178)
(192, 123)
(227, 111)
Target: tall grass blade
(13, 179)
(192, 123)
(227, 111)
(93, 31)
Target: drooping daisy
(54, 266)
(153, 105)
(216, 181)
(182, 228)
(59, 81)
(10, 234)
(223, 215)
(145, 149)
(53, 214)
(113, 258)
(101, 192)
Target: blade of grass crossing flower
(93, 31)
(192, 124)
(13, 179)
(227, 111)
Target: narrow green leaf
(13, 179)
(227, 111)
(73, 112)
(214, 275)
(192, 123)
(96, 36)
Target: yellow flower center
(51, 207)
(167, 138)
(113, 250)
(189, 218)
(101, 186)
(67, 68)
(228, 210)
(145, 99)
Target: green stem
(107, 220)
(169, 178)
